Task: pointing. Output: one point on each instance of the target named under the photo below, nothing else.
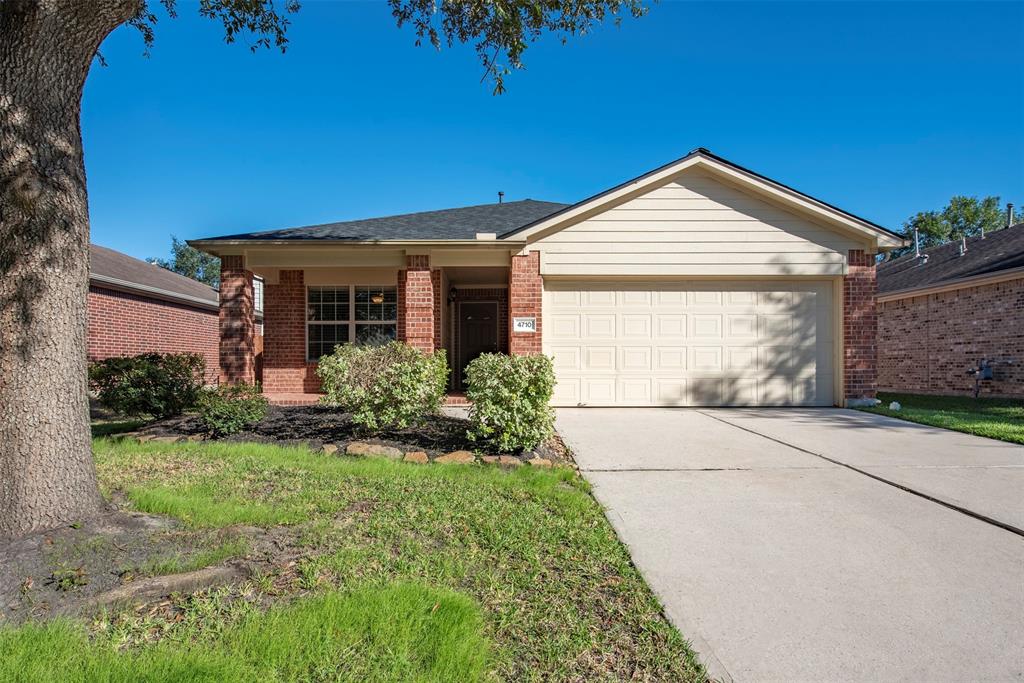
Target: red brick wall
(927, 343)
(122, 324)
(416, 303)
(237, 322)
(285, 369)
(526, 289)
(860, 326)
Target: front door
(478, 332)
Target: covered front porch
(463, 302)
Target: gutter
(206, 244)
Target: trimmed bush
(510, 396)
(161, 385)
(230, 408)
(389, 386)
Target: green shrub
(509, 397)
(161, 385)
(388, 386)
(230, 408)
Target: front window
(353, 314)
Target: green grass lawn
(386, 572)
(995, 418)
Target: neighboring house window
(349, 315)
(257, 294)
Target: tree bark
(47, 476)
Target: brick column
(860, 328)
(525, 291)
(416, 303)
(237, 324)
(284, 335)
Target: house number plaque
(524, 324)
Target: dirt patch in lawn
(121, 556)
(317, 426)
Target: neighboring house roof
(516, 221)
(998, 252)
(120, 271)
(446, 224)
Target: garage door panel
(634, 391)
(671, 325)
(599, 391)
(599, 359)
(742, 325)
(706, 326)
(670, 359)
(600, 326)
(690, 342)
(633, 359)
(635, 326)
(706, 358)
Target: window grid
(349, 315)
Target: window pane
(376, 303)
(327, 303)
(375, 335)
(323, 339)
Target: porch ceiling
(466, 276)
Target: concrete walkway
(781, 563)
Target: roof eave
(157, 292)
(210, 245)
(955, 283)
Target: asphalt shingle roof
(447, 224)
(999, 250)
(108, 263)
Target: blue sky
(883, 109)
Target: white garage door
(690, 343)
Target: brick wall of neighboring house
(285, 369)
(526, 291)
(926, 343)
(123, 324)
(416, 303)
(860, 327)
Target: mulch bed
(317, 426)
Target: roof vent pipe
(917, 244)
(1009, 214)
(501, 196)
(963, 245)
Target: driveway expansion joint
(952, 506)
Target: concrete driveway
(818, 544)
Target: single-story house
(945, 310)
(136, 307)
(698, 283)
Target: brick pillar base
(416, 303)
(860, 328)
(525, 292)
(237, 324)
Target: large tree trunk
(47, 476)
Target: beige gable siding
(695, 226)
